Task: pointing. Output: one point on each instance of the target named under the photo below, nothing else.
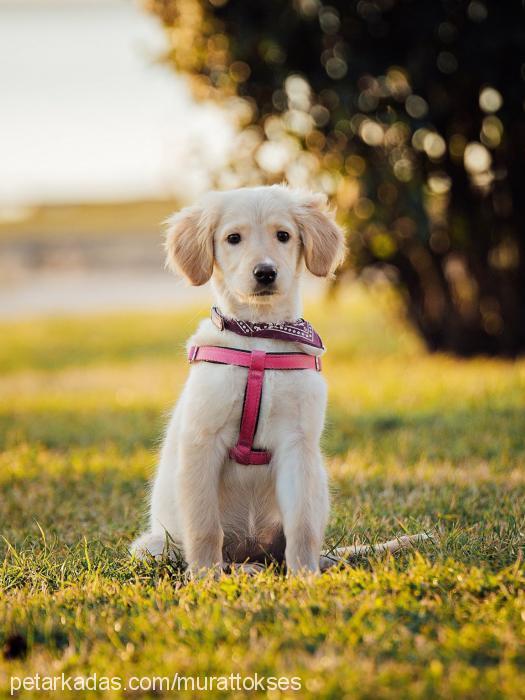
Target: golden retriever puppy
(241, 478)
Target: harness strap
(257, 362)
(242, 358)
(243, 452)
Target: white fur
(218, 511)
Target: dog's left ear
(323, 239)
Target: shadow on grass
(452, 435)
(62, 429)
(106, 505)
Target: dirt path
(51, 293)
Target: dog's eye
(234, 238)
(283, 236)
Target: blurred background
(98, 144)
(409, 115)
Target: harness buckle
(217, 319)
(193, 353)
(317, 363)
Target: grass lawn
(413, 442)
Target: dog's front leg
(201, 459)
(302, 494)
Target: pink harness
(257, 363)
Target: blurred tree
(410, 113)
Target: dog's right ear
(189, 243)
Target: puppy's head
(254, 241)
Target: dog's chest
(292, 402)
(290, 399)
(250, 516)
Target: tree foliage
(409, 113)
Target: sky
(86, 114)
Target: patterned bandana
(299, 331)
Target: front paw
(155, 545)
(304, 564)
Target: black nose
(265, 274)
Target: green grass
(413, 442)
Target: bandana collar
(299, 331)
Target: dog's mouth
(264, 293)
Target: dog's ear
(323, 240)
(189, 243)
